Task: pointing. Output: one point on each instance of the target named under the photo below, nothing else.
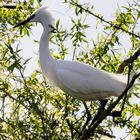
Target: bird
(79, 80)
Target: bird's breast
(50, 74)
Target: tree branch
(102, 19)
(126, 62)
(13, 98)
(108, 110)
(103, 132)
(8, 6)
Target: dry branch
(128, 61)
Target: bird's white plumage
(79, 80)
(87, 83)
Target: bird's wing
(84, 82)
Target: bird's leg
(123, 104)
(119, 113)
(87, 120)
(128, 81)
(101, 108)
(116, 114)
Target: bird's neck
(44, 52)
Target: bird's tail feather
(122, 78)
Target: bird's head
(42, 16)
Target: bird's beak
(25, 21)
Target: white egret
(79, 80)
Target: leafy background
(32, 109)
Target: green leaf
(57, 23)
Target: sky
(30, 49)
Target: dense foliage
(30, 108)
